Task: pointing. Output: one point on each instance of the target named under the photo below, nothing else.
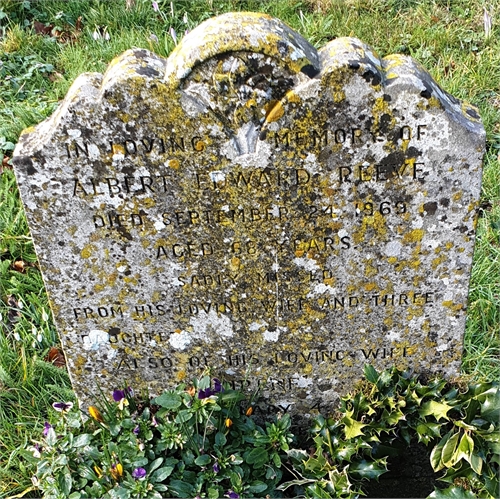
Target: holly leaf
(369, 469)
(437, 409)
(352, 427)
(427, 431)
(345, 451)
(393, 417)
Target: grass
(447, 36)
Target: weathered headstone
(282, 214)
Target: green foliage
(194, 440)
(197, 440)
(392, 410)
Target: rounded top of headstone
(241, 31)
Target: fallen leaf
(19, 266)
(41, 29)
(56, 357)
(5, 164)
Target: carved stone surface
(281, 214)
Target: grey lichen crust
(281, 214)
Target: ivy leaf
(352, 427)
(452, 493)
(437, 409)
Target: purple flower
(155, 6)
(203, 394)
(232, 495)
(46, 427)
(216, 468)
(139, 473)
(136, 430)
(208, 392)
(118, 395)
(218, 386)
(62, 406)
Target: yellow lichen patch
(457, 196)
(413, 236)
(415, 263)
(80, 361)
(338, 96)
(291, 96)
(175, 164)
(439, 260)
(370, 270)
(455, 307)
(87, 251)
(235, 264)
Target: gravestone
(281, 214)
